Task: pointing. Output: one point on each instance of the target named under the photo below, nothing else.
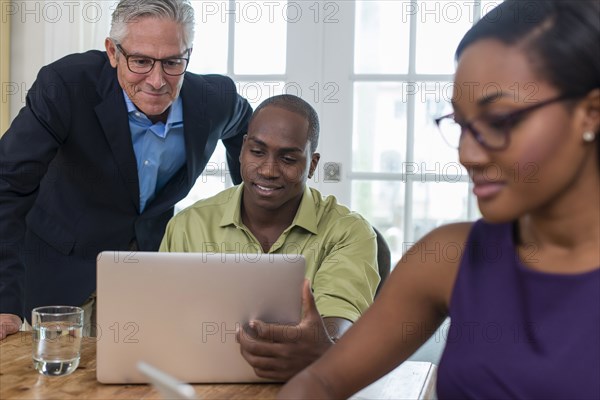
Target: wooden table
(18, 380)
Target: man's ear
(314, 161)
(243, 144)
(111, 50)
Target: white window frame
(322, 66)
(337, 119)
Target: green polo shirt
(339, 245)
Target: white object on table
(410, 380)
(168, 386)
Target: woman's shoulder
(448, 235)
(432, 263)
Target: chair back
(384, 259)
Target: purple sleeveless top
(516, 333)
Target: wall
(42, 32)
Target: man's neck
(267, 225)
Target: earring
(589, 136)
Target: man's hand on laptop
(278, 351)
(9, 324)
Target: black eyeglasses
(173, 66)
(493, 133)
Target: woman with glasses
(523, 292)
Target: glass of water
(57, 332)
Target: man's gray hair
(180, 11)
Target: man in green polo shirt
(274, 211)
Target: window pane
(260, 37)
(210, 40)
(382, 204)
(381, 37)
(379, 137)
(432, 153)
(257, 91)
(440, 27)
(438, 203)
(214, 179)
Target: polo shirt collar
(232, 215)
(306, 216)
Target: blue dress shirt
(159, 148)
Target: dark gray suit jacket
(69, 183)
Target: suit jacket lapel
(196, 129)
(112, 114)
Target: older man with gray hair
(105, 146)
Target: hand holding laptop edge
(278, 351)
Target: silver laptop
(180, 311)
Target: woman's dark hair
(560, 37)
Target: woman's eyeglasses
(493, 133)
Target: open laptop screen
(180, 311)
